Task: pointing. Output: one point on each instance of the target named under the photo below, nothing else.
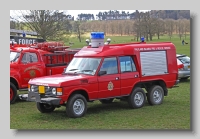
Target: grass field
(173, 114)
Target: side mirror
(102, 73)
(64, 70)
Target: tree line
(52, 24)
(163, 14)
(117, 15)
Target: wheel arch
(15, 82)
(149, 84)
(80, 91)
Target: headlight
(57, 91)
(32, 88)
(54, 91)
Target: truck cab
(29, 61)
(102, 71)
(25, 64)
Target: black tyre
(76, 106)
(137, 98)
(106, 101)
(13, 93)
(45, 108)
(155, 95)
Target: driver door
(30, 67)
(109, 83)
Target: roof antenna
(87, 41)
(108, 41)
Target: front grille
(48, 90)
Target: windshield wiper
(86, 70)
(73, 69)
(71, 72)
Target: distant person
(142, 39)
(183, 42)
(24, 34)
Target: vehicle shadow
(184, 80)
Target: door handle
(136, 76)
(117, 78)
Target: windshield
(184, 59)
(83, 65)
(14, 56)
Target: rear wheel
(137, 98)
(106, 101)
(155, 95)
(45, 108)
(13, 93)
(76, 106)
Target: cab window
(29, 58)
(127, 64)
(109, 65)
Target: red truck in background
(28, 61)
(104, 72)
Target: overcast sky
(76, 12)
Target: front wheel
(155, 95)
(13, 93)
(76, 106)
(45, 108)
(137, 98)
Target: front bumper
(32, 96)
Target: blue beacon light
(97, 35)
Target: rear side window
(126, 64)
(109, 65)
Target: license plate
(41, 89)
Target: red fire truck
(104, 72)
(28, 61)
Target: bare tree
(77, 30)
(137, 28)
(159, 27)
(180, 28)
(186, 27)
(169, 27)
(47, 23)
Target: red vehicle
(28, 61)
(104, 72)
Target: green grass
(173, 114)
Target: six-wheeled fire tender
(103, 71)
